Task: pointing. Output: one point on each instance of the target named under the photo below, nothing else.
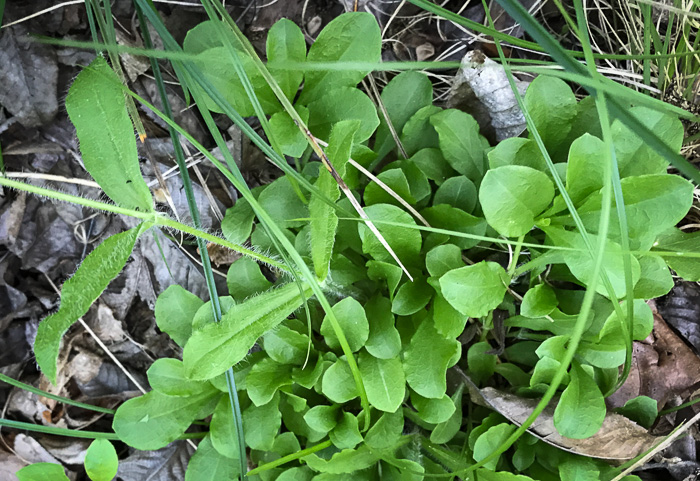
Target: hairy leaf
(216, 347)
(97, 107)
(98, 269)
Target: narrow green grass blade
(48, 395)
(612, 174)
(201, 244)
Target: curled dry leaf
(482, 89)
(619, 439)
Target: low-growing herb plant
(500, 243)
(100, 464)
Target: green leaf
(101, 461)
(676, 240)
(481, 365)
(581, 263)
(282, 203)
(460, 142)
(93, 276)
(237, 223)
(517, 151)
(205, 314)
(426, 360)
(579, 469)
(459, 192)
(449, 322)
(207, 464)
(324, 220)
(154, 420)
(419, 133)
(343, 103)
(386, 432)
(431, 162)
(167, 376)
(653, 204)
(338, 385)
(581, 408)
(487, 475)
(322, 418)
(352, 320)
(296, 474)
(350, 37)
(442, 259)
(655, 279)
(446, 217)
(216, 347)
(384, 271)
(286, 43)
(286, 346)
(42, 472)
(346, 434)
(586, 167)
(475, 290)
(384, 381)
(261, 424)
(265, 378)
(175, 309)
(384, 341)
(552, 106)
(402, 97)
(634, 155)
(445, 431)
(405, 242)
(245, 279)
(539, 301)
(219, 69)
(396, 180)
(512, 196)
(642, 325)
(97, 107)
(287, 134)
(345, 461)
(411, 297)
(489, 441)
(433, 411)
(222, 430)
(642, 409)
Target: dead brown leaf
(663, 367)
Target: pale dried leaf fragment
(619, 438)
(481, 88)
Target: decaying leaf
(481, 88)
(162, 465)
(28, 78)
(619, 439)
(663, 366)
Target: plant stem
(290, 457)
(55, 397)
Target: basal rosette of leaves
(299, 398)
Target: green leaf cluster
(499, 269)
